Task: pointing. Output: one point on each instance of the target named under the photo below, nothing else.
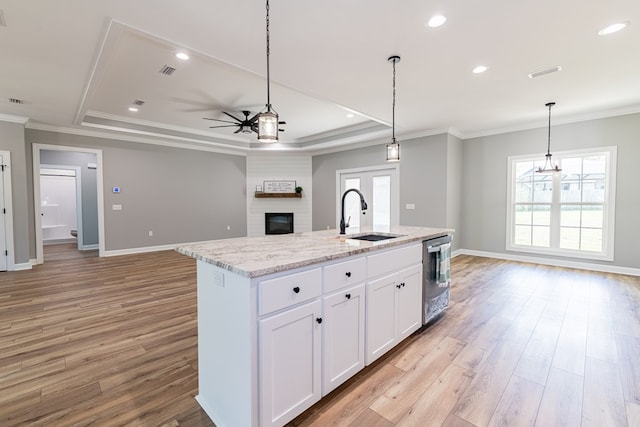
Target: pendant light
(393, 148)
(548, 166)
(268, 121)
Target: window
(570, 213)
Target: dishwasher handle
(433, 249)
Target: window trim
(608, 230)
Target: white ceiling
(81, 63)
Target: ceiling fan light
(268, 127)
(393, 151)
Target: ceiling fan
(246, 125)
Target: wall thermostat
(116, 189)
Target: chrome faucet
(363, 206)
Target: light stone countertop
(259, 256)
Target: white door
(343, 341)
(290, 363)
(381, 192)
(3, 219)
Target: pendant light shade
(548, 164)
(268, 127)
(393, 147)
(268, 121)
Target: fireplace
(278, 223)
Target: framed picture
(259, 188)
(279, 186)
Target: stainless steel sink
(374, 237)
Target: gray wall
(12, 140)
(430, 178)
(180, 195)
(485, 179)
(88, 189)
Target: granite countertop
(259, 256)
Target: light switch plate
(116, 207)
(410, 206)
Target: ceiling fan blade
(253, 119)
(222, 126)
(239, 130)
(232, 116)
(218, 120)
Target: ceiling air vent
(138, 102)
(167, 70)
(16, 101)
(543, 72)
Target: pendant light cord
(268, 79)
(549, 132)
(393, 108)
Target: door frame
(395, 187)
(36, 194)
(8, 205)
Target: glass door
(380, 189)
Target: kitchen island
(283, 320)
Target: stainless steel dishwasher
(436, 281)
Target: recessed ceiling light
(436, 21)
(134, 109)
(480, 69)
(350, 115)
(182, 55)
(613, 28)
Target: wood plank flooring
(113, 341)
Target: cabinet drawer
(393, 260)
(288, 290)
(345, 273)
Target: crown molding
(13, 119)
(175, 142)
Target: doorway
(61, 204)
(7, 257)
(380, 187)
(41, 151)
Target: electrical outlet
(116, 207)
(150, 233)
(228, 227)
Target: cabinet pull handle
(348, 273)
(319, 319)
(402, 284)
(296, 289)
(399, 286)
(348, 296)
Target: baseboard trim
(89, 247)
(554, 262)
(24, 265)
(132, 251)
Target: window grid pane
(578, 218)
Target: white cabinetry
(272, 346)
(289, 363)
(290, 345)
(343, 341)
(394, 299)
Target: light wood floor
(112, 341)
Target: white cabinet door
(343, 336)
(381, 327)
(290, 363)
(408, 301)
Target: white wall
(275, 166)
